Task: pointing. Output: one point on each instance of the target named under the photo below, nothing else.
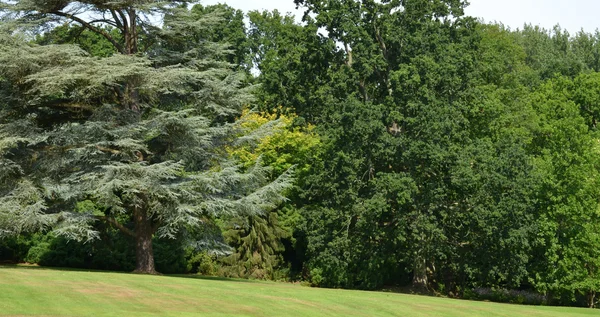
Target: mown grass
(32, 291)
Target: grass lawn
(33, 291)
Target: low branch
(108, 150)
(91, 28)
(118, 225)
(71, 106)
(147, 45)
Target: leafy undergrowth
(34, 291)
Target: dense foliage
(137, 133)
(430, 150)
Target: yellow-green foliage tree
(291, 143)
(257, 240)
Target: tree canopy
(138, 132)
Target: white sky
(572, 15)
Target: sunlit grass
(32, 291)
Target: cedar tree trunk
(144, 255)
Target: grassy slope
(45, 292)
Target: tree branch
(117, 21)
(67, 105)
(108, 150)
(124, 23)
(109, 22)
(147, 45)
(381, 43)
(119, 226)
(348, 54)
(91, 28)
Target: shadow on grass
(187, 276)
(410, 290)
(22, 266)
(210, 278)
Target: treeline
(430, 150)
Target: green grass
(32, 291)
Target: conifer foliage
(138, 133)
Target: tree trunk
(144, 255)
(131, 36)
(132, 97)
(419, 282)
(591, 299)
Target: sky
(572, 15)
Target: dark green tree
(230, 29)
(295, 64)
(257, 246)
(425, 174)
(399, 122)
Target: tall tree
(566, 154)
(138, 132)
(394, 133)
(425, 148)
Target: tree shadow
(24, 266)
(210, 278)
(63, 269)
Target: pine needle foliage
(257, 246)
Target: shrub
(505, 296)
(170, 256)
(201, 263)
(15, 249)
